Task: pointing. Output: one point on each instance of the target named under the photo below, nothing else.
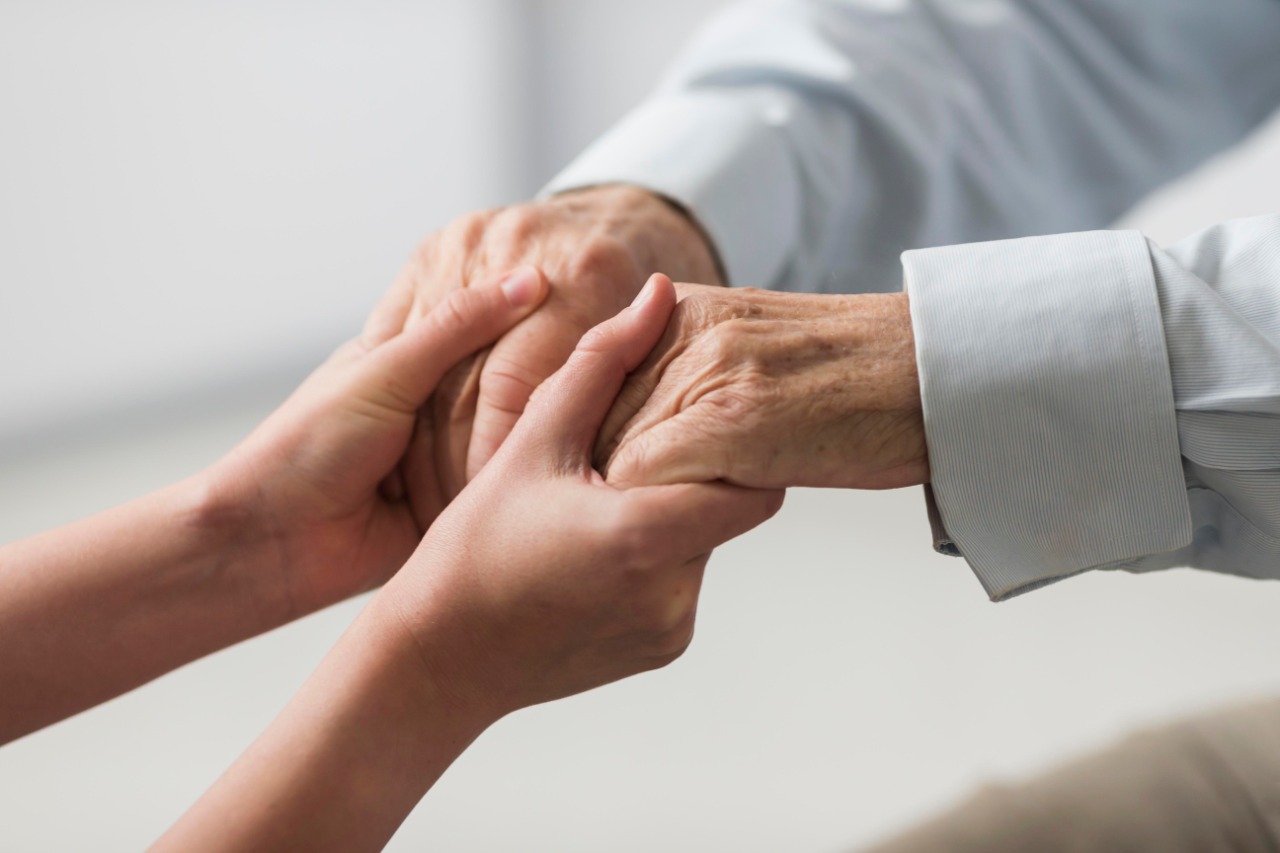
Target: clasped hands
(552, 468)
(534, 456)
(752, 387)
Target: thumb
(515, 367)
(403, 372)
(568, 409)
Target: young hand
(324, 486)
(540, 580)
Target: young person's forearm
(346, 761)
(96, 608)
(297, 517)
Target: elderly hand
(596, 247)
(773, 390)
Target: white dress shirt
(1091, 400)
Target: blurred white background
(198, 200)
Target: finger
(389, 315)
(676, 605)
(691, 519)
(637, 390)
(636, 393)
(672, 451)
(515, 368)
(424, 488)
(401, 373)
(569, 408)
(452, 410)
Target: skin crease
(596, 247)
(772, 389)
(541, 580)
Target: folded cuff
(1048, 405)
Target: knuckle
(669, 643)
(676, 642)
(516, 227)
(469, 228)
(694, 318)
(634, 548)
(675, 612)
(423, 255)
(460, 237)
(439, 264)
(603, 257)
(729, 343)
(636, 537)
(736, 407)
(453, 313)
(710, 304)
(694, 311)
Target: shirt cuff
(1048, 405)
(725, 160)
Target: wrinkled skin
(773, 390)
(596, 248)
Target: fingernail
(645, 292)
(522, 286)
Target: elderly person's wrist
(774, 390)
(887, 408)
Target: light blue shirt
(1091, 400)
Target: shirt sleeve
(1094, 401)
(815, 140)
